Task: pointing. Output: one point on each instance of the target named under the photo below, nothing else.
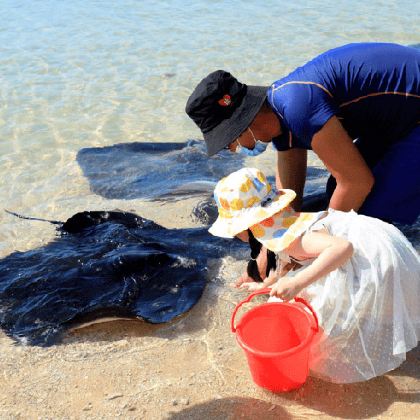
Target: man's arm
(291, 173)
(354, 179)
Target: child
(361, 275)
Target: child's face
(243, 236)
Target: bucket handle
(304, 302)
(265, 291)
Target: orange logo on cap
(225, 101)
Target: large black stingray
(154, 171)
(171, 171)
(164, 171)
(105, 264)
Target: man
(357, 107)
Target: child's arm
(261, 264)
(252, 286)
(273, 276)
(331, 252)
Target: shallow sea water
(93, 74)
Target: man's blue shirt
(373, 88)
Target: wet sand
(191, 368)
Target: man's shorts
(395, 196)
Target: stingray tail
(54, 222)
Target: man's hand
(286, 288)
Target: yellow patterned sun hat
(245, 198)
(277, 232)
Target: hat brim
(285, 233)
(230, 129)
(229, 227)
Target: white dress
(369, 309)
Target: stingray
(172, 171)
(155, 171)
(167, 171)
(105, 265)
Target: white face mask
(259, 147)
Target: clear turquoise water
(81, 74)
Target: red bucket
(276, 338)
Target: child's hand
(242, 280)
(252, 286)
(286, 288)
